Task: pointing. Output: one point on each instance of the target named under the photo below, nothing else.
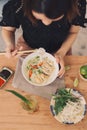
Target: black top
(49, 37)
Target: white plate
(52, 77)
(62, 120)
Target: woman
(51, 24)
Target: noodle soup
(39, 69)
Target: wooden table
(14, 117)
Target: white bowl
(53, 75)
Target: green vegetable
(20, 96)
(61, 97)
(29, 103)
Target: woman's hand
(11, 51)
(8, 34)
(60, 61)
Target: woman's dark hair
(51, 8)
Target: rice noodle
(73, 112)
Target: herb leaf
(61, 98)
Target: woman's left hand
(60, 61)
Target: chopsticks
(21, 52)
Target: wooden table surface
(14, 117)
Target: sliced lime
(85, 76)
(76, 82)
(83, 70)
(67, 67)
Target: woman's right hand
(11, 51)
(8, 34)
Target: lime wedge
(85, 76)
(83, 70)
(67, 67)
(76, 82)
